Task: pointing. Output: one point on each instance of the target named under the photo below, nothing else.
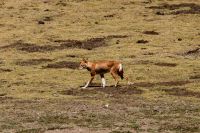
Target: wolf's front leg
(90, 81)
(86, 85)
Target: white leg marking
(116, 84)
(103, 82)
(120, 67)
(86, 85)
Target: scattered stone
(106, 105)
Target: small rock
(106, 105)
(55, 95)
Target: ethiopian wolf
(102, 67)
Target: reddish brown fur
(102, 67)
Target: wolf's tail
(121, 74)
(121, 71)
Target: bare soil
(193, 52)
(4, 98)
(88, 44)
(151, 33)
(181, 92)
(5, 70)
(166, 83)
(109, 16)
(157, 52)
(63, 64)
(176, 9)
(142, 41)
(195, 77)
(161, 64)
(166, 64)
(27, 47)
(71, 56)
(33, 62)
(110, 90)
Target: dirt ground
(43, 41)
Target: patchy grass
(157, 42)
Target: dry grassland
(43, 41)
